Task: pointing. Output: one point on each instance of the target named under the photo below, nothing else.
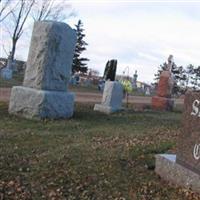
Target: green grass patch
(16, 80)
(91, 156)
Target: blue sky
(139, 34)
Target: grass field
(15, 81)
(91, 156)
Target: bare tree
(17, 20)
(40, 10)
(51, 10)
(5, 9)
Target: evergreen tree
(79, 63)
(179, 76)
(188, 77)
(195, 79)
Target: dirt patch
(89, 97)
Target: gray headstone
(6, 73)
(50, 56)
(44, 92)
(112, 98)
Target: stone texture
(113, 94)
(168, 169)
(184, 169)
(38, 104)
(112, 98)
(44, 94)
(106, 109)
(165, 84)
(162, 103)
(190, 137)
(163, 99)
(50, 56)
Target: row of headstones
(44, 95)
(44, 92)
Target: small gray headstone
(6, 73)
(112, 98)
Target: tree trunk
(14, 43)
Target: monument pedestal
(39, 104)
(106, 109)
(168, 169)
(112, 98)
(162, 103)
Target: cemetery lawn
(16, 80)
(92, 156)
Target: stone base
(169, 170)
(39, 104)
(162, 103)
(106, 109)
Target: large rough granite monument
(112, 98)
(184, 168)
(44, 91)
(163, 101)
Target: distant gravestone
(7, 72)
(147, 91)
(112, 98)
(110, 70)
(163, 100)
(184, 169)
(44, 91)
(135, 76)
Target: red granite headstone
(163, 99)
(162, 103)
(188, 154)
(165, 85)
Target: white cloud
(141, 36)
(138, 35)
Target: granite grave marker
(184, 168)
(113, 91)
(44, 91)
(163, 101)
